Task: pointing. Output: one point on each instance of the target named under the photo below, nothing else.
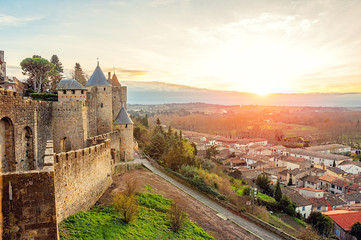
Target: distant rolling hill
(160, 92)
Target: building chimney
(109, 76)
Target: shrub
(246, 191)
(261, 213)
(188, 171)
(126, 206)
(177, 217)
(44, 96)
(308, 234)
(208, 165)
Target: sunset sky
(249, 46)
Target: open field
(203, 216)
(103, 222)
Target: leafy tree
(321, 223)
(262, 182)
(58, 65)
(356, 230)
(79, 74)
(278, 192)
(38, 69)
(177, 217)
(212, 152)
(195, 148)
(287, 205)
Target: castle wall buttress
(69, 121)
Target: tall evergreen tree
(58, 65)
(278, 192)
(79, 74)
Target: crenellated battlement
(81, 154)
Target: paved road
(249, 226)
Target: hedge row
(44, 96)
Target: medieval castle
(58, 158)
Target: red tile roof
(345, 219)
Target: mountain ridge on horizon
(156, 92)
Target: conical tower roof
(122, 118)
(115, 81)
(97, 78)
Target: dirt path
(198, 213)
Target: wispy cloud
(7, 20)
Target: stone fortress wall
(57, 158)
(81, 177)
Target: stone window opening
(64, 91)
(28, 150)
(104, 89)
(72, 91)
(7, 145)
(82, 91)
(65, 145)
(101, 105)
(126, 125)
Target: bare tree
(177, 217)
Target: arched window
(7, 146)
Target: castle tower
(101, 90)
(71, 90)
(2, 66)
(119, 99)
(124, 124)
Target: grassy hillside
(102, 222)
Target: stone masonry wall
(104, 110)
(22, 113)
(124, 97)
(126, 150)
(70, 122)
(91, 103)
(31, 213)
(81, 177)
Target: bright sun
(261, 67)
